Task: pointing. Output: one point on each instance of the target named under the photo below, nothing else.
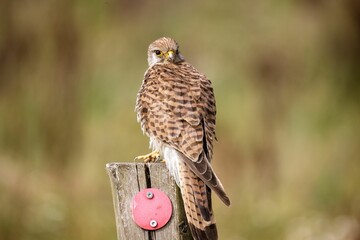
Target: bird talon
(149, 158)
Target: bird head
(164, 50)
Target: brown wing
(176, 105)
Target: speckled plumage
(176, 109)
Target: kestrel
(176, 109)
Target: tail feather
(197, 202)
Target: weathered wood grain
(124, 184)
(127, 179)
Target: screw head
(153, 223)
(149, 195)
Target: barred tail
(197, 202)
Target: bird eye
(157, 52)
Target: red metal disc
(151, 209)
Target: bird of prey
(176, 109)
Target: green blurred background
(286, 76)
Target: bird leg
(151, 157)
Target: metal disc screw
(153, 223)
(149, 195)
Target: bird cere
(176, 109)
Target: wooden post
(127, 179)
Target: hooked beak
(170, 55)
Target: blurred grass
(286, 78)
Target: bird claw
(149, 158)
